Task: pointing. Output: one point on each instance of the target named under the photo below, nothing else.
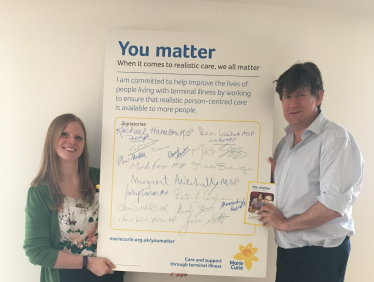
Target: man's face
(300, 107)
(267, 200)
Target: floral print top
(78, 226)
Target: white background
(52, 62)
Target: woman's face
(259, 197)
(71, 143)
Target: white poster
(187, 126)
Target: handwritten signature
(137, 148)
(178, 153)
(217, 219)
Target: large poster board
(187, 130)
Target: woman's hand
(100, 266)
(97, 265)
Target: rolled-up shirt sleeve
(341, 173)
(38, 241)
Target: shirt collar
(316, 126)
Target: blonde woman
(62, 209)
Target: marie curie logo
(247, 254)
(236, 265)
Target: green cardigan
(42, 232)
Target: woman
(62, 209)
(257, 203)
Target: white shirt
(326, 166)
(78, 223)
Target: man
(318, 176)
(268, 200)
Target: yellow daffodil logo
(97, 187)
(247, 254)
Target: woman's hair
(48, 173)
(262, 195)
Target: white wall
(51, 62)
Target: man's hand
(270, 214)
(315, 216)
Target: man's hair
(271, 197)
(300, 75)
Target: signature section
(182, 175)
